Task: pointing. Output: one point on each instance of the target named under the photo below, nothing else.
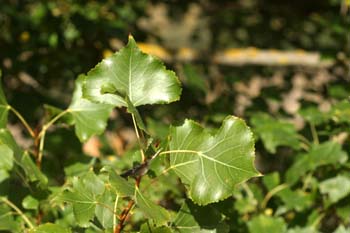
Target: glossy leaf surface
(211, 165)
(129, 72)
(89, 118)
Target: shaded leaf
(302, 230)
(4, 107)
(340, 112)
(158, 214)
(263, 223)
(274, 133)
(131, 109)
(211, 165)
(129, 72)
(148, 228)
(50, 228)
(336, 188)
(89, 118)
(23, 159)
(319, 155)
(7, 220)
(32, 171)
(193, 218)
(6, 161)
(314, 116)
(298, 199)
(121, 186)
(84, 196)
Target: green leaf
(89, 118)
(50, 228)
(297, 200)
(336, 188)
(131, 109)
(30, 203)
(23, 159)
(158, 214)
(121, 186)
(319, 155)
(4, 107)
(6, 161)
(7, 139)
(211, 165)
(271, 180)
(104, 210)
(32, 171)
(263, 223)
(193, 79)
(302, 230)
(148, 228)
(7, 220)
(200, 219)
(341, 112)
(84, 196)
(274, 133)
(314, 116)
(141, 77)
(342, 229)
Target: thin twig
(48, 125)
(271, 193)
(23, 216)
(138, 137)
(41, 136)
(41, 149)
(314, 133)
(115, 226)
(24, 122)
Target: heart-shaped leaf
(211, 165)
(140, 77)
(89, 118)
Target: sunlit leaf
(131, 73)
(104, 210)
(50, 228)
(211, 165)
(30, 203)
(89, 118)
(340, 112)
(263, 223)
(158, 214)
(336, 188)
(274, 133)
